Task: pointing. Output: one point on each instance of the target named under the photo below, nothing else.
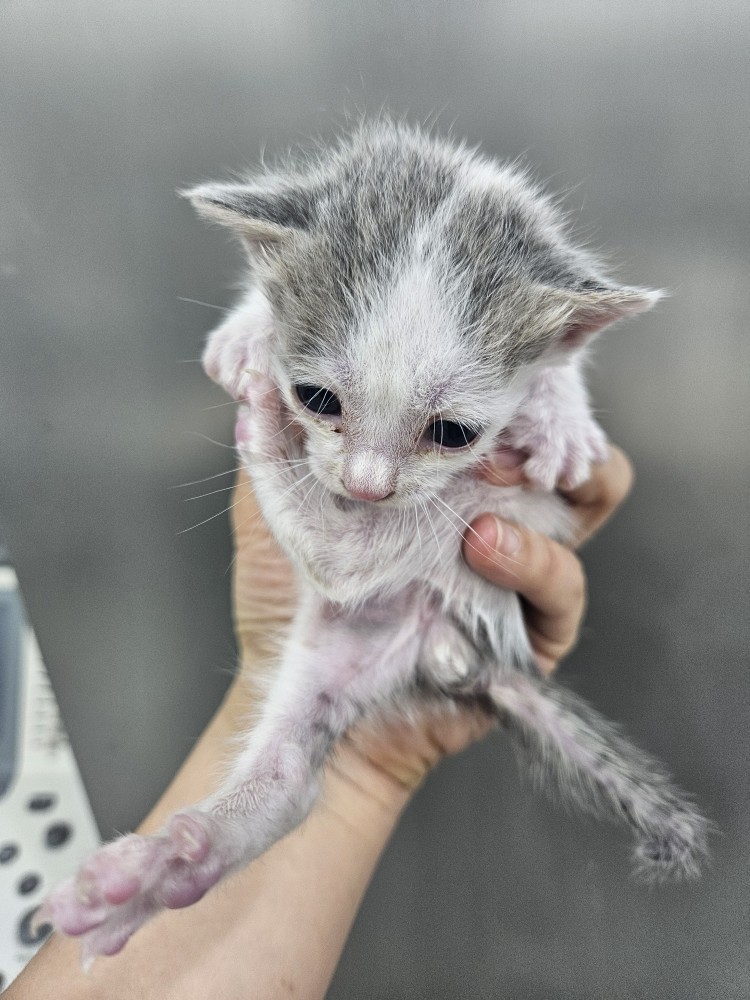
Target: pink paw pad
(131, 879)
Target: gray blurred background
(639, 111)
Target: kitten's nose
(369, 475)
(365, 494)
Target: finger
(546, 574)
(596, 500)
(264, 591)
(244, 507)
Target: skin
(270, 931)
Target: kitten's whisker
(279, 461)
(197, 482)
(448, 521)
(213, 516)
(455, 513)
(304, 499)
(208, 305)
(426, 510)
(232, 561)
(237, 501)
(283, 466)
(247, 520)
(283, 429)
(294, 485)
(321, 509)
(419, 533)
(200, 496)
(211, 440)
(274, 475)
(283, 496)
(458, 517)
(402, 540)
(218, 406)
(453, 525)
(510, 559)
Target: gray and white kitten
(413, 306)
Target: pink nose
(369, 474)
(363, 493)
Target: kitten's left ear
(573, 318)
(265, 213)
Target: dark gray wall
(639, 110)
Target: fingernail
(504, 467)
(508, 540)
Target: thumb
(546, 574)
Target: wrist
(366, 790)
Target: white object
(46, 825)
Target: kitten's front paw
(558, 451)
(128, 881)
(264, 429)
(258, 418)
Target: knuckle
(562, 572)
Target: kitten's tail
(566, 744)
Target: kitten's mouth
(352, 503)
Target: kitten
(412, 307)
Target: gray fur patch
(359, 214)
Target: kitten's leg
(336, 667)
(567, 743)
(557, 429)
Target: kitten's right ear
(264, 214)
(572, 318)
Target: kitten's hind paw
(128, 881)
(676, 855)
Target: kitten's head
(415, 288)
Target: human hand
(548, 576)
(266, 911)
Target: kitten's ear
(573, 318)
(263, 214)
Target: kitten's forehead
(411, 229)
(408, 336)
(405, 357)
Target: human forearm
(283, 921)
(277, 925)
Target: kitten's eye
(450, 434)
(318, 399)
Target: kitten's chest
(351, 552)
